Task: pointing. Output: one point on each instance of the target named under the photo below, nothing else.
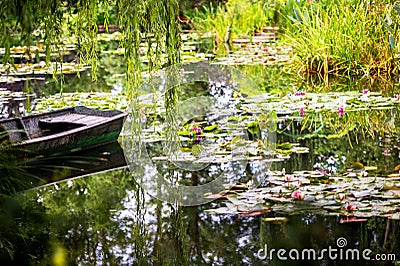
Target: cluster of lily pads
(250, 51)
(352, 193)
(327, 110)
(247, 118)
(25, 54)
(98, 100)
(330, 114)
(43, 68)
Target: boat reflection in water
(78, 163)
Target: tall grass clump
(232, 19)
(392, 24)
(345, 38)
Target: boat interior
(25, 128)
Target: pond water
(92, 211)
(107, 218)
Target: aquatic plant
(392, 25)
(297, 194)
(341, 38)
(321, 192)
(232, 19)
(340, 110)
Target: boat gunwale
(36, 115)
(71, 131)
(118, 115)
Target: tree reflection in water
(107, 219)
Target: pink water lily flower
(298, 195)
(300, 93)
(349, 207)
(302, 111)
(199, 138)
(341, 110)
(396, 96)
(365, 91)
(197, 130)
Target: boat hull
(39, 135)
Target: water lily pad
(277, 220)
(210, 128)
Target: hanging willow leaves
(153, 21)
(86, 33)
(22, 18)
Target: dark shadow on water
(19, 172)
(58, 167)
(107, 219)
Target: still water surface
(106, 218)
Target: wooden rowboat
(63, 130)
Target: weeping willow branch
(86, 33)
(154, 21)
(19, 20)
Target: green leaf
(389, 19)
(235, 200)
(221, 210)
(252, 151)
(210, 128)
(184, 133)
(297, 14)
(387, 26)
(253, 128)
(236, 139)
(397, 8)
(391, 41)
(233, 118)
(285, 145)
(276, 219)
(198, 150)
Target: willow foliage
(22, 18)
(153, 21)
(156, 22)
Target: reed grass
(341, 37)
(233, 19)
